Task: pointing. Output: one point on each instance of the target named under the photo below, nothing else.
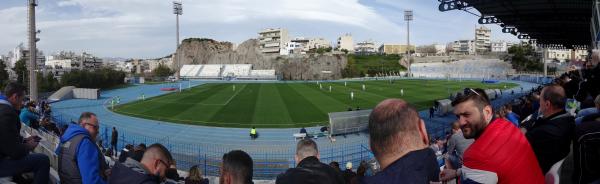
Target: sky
(146, 28)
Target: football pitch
(286, 105)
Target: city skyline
(146, 29)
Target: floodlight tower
(177, 10)
(408, 16)
(33, 90)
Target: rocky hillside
(300, 67)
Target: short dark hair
(478, 96)
(390, 119)
(85, 116)
(14, 88)
(162, 151)
(555, 94)
(239, 164)
(306, 147)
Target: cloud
(146, 28)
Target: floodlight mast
(408, 16)
(177, 10)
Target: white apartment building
(366, 47)
(315, 43)
(273, 40)
(464, 47)
(345, 42)
(482, 39)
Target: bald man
(551, 136)
(399, 141)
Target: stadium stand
(210, 72)
(226, 71)
(483, 68)
(237, 70)
(62, 94)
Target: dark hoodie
(89, 167)
(131, 172)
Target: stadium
(202, 119)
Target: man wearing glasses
(151, 169)
(500, 153)
(79, 158)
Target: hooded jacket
(131, 172)
(87, 159)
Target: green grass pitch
(285, 105)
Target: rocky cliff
(298, 67)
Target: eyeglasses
(95, 126)
(471, 90)
(163, 162)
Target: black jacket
(310, 171)
(131, 172)
(551, 138)
(417, 167)
(11, 142)
(585, 150)
(114, 138)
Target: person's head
(362, 168)
(141, 147)
(508, 108)
(552, 100)
(114, 128)
(236, 168)
(395, 129)
(129, 147)
(89, 122)
(15, 93)
(597, 102)
(455, 127)
(349, 165)
(335, 165)
(31, 106)
(474, 112)
(157, 160)
(306, 148)
(195, 174)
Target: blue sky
(146, 28)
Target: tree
(523, 58)
(345, 51)
(162, 71)
(21, 71)
(3, 74)
(426, 49)
(47, 83)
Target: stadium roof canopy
(564, 23)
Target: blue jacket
(513, 118)
(89, 165)
(27, 116)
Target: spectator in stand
(236, 168)
(349, 175)
(510, 115)
(335, 166)
(151, 170)
(79, 158)
(438, 149)
(29, 117)
(14, 149)
(195, 176)
(114, 138)
(309, 169)
(491, 158)
(551, 136)
(361, 172)
(138, 152)
(126, 153)
(585, 150)
(399, 141)
(588, 111)
(457, 144)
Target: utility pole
(177, 10)
(33, 90)
(408, 16)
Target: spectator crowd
(551, 132)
